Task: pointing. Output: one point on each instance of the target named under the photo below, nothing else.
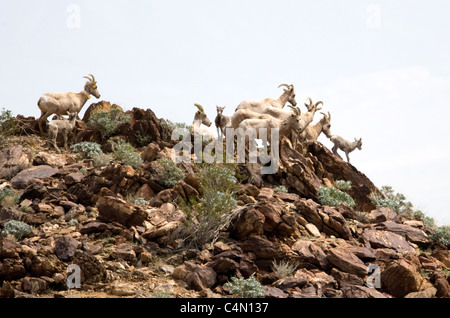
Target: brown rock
(310, 254)
(401, 278)
(97, 107)
(73, 178)
(53, 160)
(261, 247)
(347, 262)
(198, 277)
(92, 271)
(382, 215)
(265, 194)
(26, 177)
(272, 216)
(12, 161)
(410, 233)
(124, 251)
(65, 247)
(249, 221)
(157, 232)
(6, 290)
(361, 292)
(113, 209)
(34, 285)
(145, 192)
(443, 256)
(273, 292)
(385, 239)
(426, 293)
(150, 152)
(441, 283)
(326, 219)
(251, 190)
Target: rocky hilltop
(121, 225)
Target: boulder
(441, 283)
(34, 285)
(381, 215)
(150, 152)
(401, 278)
(112, 209)
(248, 222)
(347, 262)
(410, 233)
(26, 177)
(65, 247)
(12, 161)
(52, 160)
(325, 218)
(198, 277)
(310, 254)
(91, 270)
(124, 251)
(386, 239)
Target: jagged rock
(157, 232)
(347, 262)
(186, 191)
(337, 169)
(410, 233)
(198, 277)
(122, 290)
(401, 278)
(52, 160)
(74, 177)
(7, 214)
(310, 254)
(34, 285)
(98, 227)
(43, 265)
(113, 209)
(385, 239)
(441, 283)
(150, 152)
(262, 248)
(427, 293)
(300, 279)
(97, 107)
(12, 161)
(443, 256)
(272, 216)
(364, 253)
(312, 229)
(92, 271)
(265, 194)
(124, 251)
(250, 221)
(382, 215)
(26, 177)
(325, 218)
(145, 192)
(351, 291)
(65, 247)
(6, 290)
(93, 248)
(273, 292)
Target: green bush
(108, 121)
(140, 202)
(218, 178)
(281, 189)
(343, 185)
(125, 153)
(442, 234)
(284, 268)
(8, 124)
(102, 160)
(8, 197)
(245, 288)
(170, 174)
(334, 197)
(397, 202)
(17, 228)
(88, 149)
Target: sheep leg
(42, 119)
(348, 158)
(66, 137)
(335, 148)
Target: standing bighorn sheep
(64, 103)
(312, 132)
(61, 126)
(221, 122)
(345, 146)
(259, 106)
(199, 119)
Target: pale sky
(380, 67)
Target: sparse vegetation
(170, 174)
(245, 288)
(442, 234)
(108, 121)
(334, 197)
(284, 268)
(8, 124)
(102, 160)
(16, 228)
(343, 185)
(281, 189)
(8, 197)
(125, 153)
(87, 149)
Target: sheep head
(91, 86)
(220, 110)
(291, 93)
(326, 124)
(200, 115)
(313, 107)
(358, 143)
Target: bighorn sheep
(345, 146)
(221, 122)
(199, 119)
(64, 103)
(259, 106)
(312, 132)
(61, 126)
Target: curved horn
(200, 107)
(93, 78)
(297, 111)
(285, 85)
(329, 116)
(319, 103)
(310, 102)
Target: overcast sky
(381, 68)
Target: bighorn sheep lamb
(221, 122)
(345, 146)
(64, 103)
(258, 106)
(61, 126)
(199, 119)
(313, 132)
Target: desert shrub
(245, 288)
(427, 220)
(102, 160)
(170, 174)
(281, 189)
(8, 124)
(214, 212)
(16, 228)
(395, 201)
(334, 197)
(108, 121)
(283, 268)
(343, 185)
(87, 149)
(8, 197)
(125, 153)
(442, 234)
(140, 202)
(169, 126)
